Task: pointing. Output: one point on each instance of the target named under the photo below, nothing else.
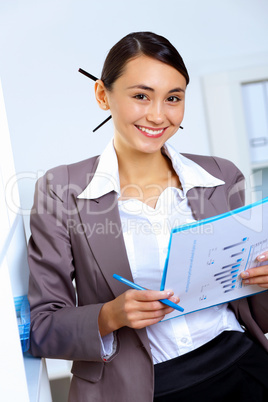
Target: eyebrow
(145, 88)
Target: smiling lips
(151, 132)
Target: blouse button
(184, 340)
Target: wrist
(106, 321)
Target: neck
(141, 168)
(145, 175)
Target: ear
(101, 96)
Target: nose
(155, 113)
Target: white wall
(11, 270)
(51, 107)
(7, 172)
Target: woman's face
(147, 105)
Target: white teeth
(152, 132)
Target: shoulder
(72, 177)
(74, 170)
(221, 168)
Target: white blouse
(146, 234)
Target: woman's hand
(135, 309)
(258, 275)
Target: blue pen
(135, 286)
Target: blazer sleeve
(59, 328)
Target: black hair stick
(105, 121)
(92, 77)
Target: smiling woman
(112, 214)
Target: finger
(148, 322)
(255, 272)
(152, 306)
(256, 276)
(261, 280)
(158, 304)
(174, 299)
(141, 318)
(263, 285)
(263, 257)
(151, 295)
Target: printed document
(205, 258)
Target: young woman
(113, 214)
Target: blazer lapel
(105, 238)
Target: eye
(140, 97)
(173, 99)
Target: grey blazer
(82, 240)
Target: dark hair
(134, 45)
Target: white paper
(206, 258)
